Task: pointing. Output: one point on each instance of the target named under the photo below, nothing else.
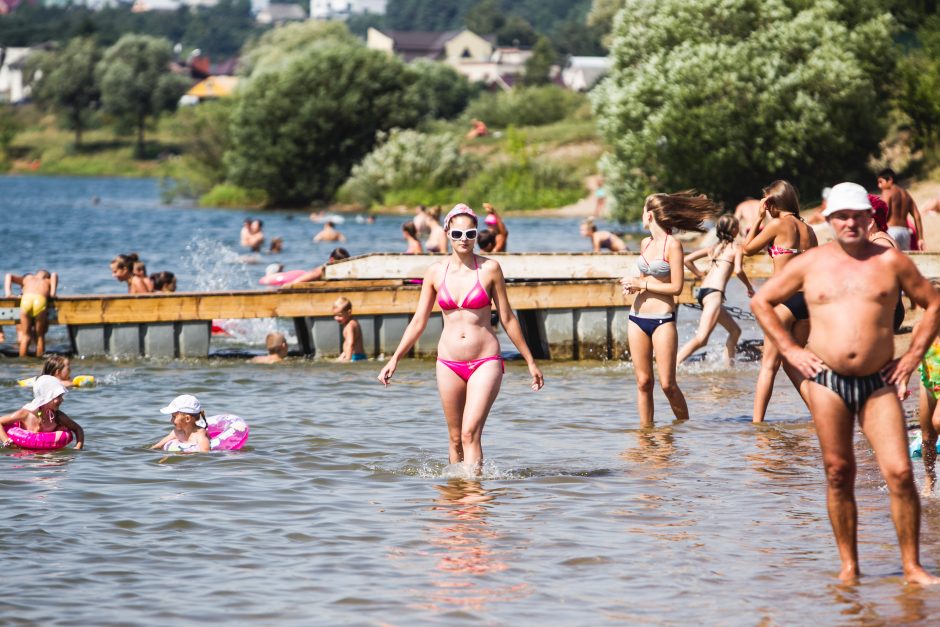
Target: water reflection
(782, 451)
(655, 448)
(469, 561)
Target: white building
(581, 73)
(12, 88)
(341, 9)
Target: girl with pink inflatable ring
(40, 424)
(469, 366)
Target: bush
(204, 134)
(728, 95)
(227, 195)
(407, 160)
(441, 92)
(526, 106)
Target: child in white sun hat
(42, 414)
(187, 435)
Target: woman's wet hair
(683, 211)
(161, 280)
(54, 364)
(125, 262)
(409, 228)
(782, 196)
(727, 228)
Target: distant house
(501, 70)
(453, 47)
(278, 13)
(581, 73)
(12, 62)
(342, 9)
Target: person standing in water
(851, 287)
(723, 258)
(652, 326)
(784, 237)
(437, 240)
(469, 366)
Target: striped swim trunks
(853, 390)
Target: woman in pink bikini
(469, 366)
(784, 237)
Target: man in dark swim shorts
(851, 288)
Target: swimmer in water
(652, 326)
(140, 271)
(469, 365)
(59, 367)
(497, 226)
(38, 289)
(437, 240)
(352, 331)
(724, 258)
(122, 269)
(410, 233)
(187, 435)
(276, 344)
(601, 240)
(851, 287)
(329, 234)
(42, 414)
(784, 238)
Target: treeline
(219, 31)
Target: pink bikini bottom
(464, 369)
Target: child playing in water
(276, 344)
(122, 269)
(163, 281)
(140, 270)
(187, 436)
(42, 414)
(34, 318)
(352, 332)
(724, 257)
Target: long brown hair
(782, 196)
(684, 211)
(727, 228)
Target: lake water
(341, 509)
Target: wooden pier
(570, 305)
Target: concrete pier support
(584, 333)
(154, 339)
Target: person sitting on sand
(42, 414)
(850, 288)
(34, 315)
(187, 436)
(352, 332)
(276, 344)
(601, 239)
(724, 258)
(122, 269)
(337, 254)
(329, 234)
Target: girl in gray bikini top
(658, 268)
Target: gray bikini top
(658, 268)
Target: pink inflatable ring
(44, 441)
(226, 432)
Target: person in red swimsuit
(469, 366)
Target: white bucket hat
(185, 403)
(46, 389)
(847, 196)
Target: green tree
(277, 48)
(136, 81)
(485, 18)
(442, 92)
(538, 67)
(727, 95)
(67, 82)
(917, 92)
(516, 31)
(297, 130)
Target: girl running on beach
(652, 326)
(724, 257)
(784, 237)
(187, 435)
(469, 366)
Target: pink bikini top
(476, 298)
(776, 251)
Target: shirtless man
(900, 206)
(38, 289)
(746, 213)
(252, 237)
(329, 234)
(851, 288)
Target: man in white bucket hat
(42, 414)
(851, 287)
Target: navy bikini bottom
(648, 323)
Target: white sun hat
(847, 196)
(46, 389)
(185, 403)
